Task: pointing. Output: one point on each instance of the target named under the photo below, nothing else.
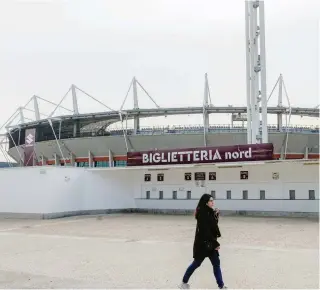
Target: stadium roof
(103, 119)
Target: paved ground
(145, 251)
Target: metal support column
(205, 109)
(76, 128)
(279, 115)
(263, 76)
(206, 104)
(36, 108)
(21, 115)
(74, 100)
(75, 110)
(248, 79)
(136, 120)
(256, 73)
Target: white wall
(61, 189)
(295, 176)
(40, 190)
(50, 189)
(108, 189)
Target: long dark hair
(202, 204)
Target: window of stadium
(82, 164)
(101, 164)
(120, 163)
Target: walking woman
(205, 243)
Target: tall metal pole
(247, 43)
(264, 100)
(253, 60)
(256, 73)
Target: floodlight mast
(257, 122)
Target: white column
(36, 108)
(205, 109)
(72, 160)
(43, 160)
(256, 73)
(111, 159)
(253, 61)
(90, 159)
(206, 104)
(263, 75)
(306, 152)
(75, 109)
(279, 116)
(136, 120)
(74, 100)
(21, 114)
(282, 152)
(56, 159)
(247, 43)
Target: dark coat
(207, 230)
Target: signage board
(248, 152)
(29, 154)
(199, 176)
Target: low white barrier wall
(61, 191)
(282, 188)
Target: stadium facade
(86, 140)
(165, 169)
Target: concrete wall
(100, 146)
(296, 176)
(108, 189)
(61, 191)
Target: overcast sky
(99, 45)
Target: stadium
(88, 140)
(123, 195)
(91, 139)
(248, 165)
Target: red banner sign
(249, 152)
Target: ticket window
(160, 177)
(244, 175)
